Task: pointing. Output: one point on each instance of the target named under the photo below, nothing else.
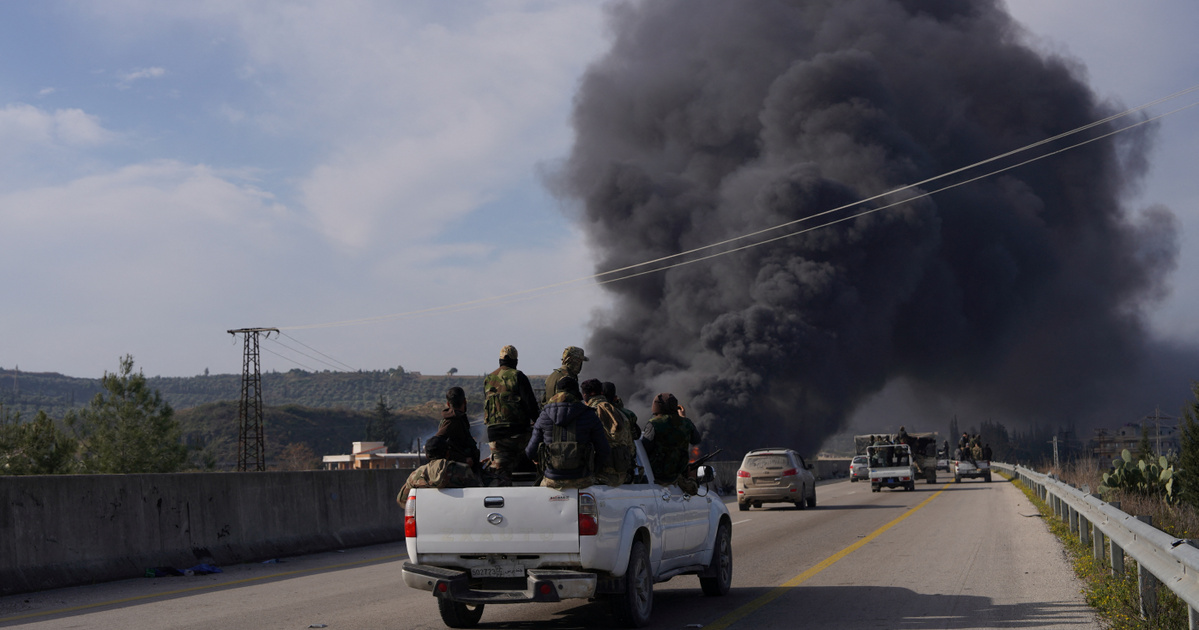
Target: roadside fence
(1161, 559)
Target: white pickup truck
(476, 546)
(976, 469)
(891, 467)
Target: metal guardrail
(1161, 558)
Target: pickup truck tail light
(410, 517)
(743, 473)
(588, 514)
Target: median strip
(778, 591)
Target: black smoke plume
(1021, 296)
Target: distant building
(367, 455)
(1108, 444)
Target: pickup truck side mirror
(705, 474)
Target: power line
(303, 354)
(286, 358)
(347, 366)
(603, 277)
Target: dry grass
(1181, 521)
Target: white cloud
(127, 260)
(406, 117)
(441, 115)
(143, 73)
(426, 110)
(24, 127)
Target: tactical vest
(565, 456)
(502, 404)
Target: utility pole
(1157, 418)
(249, 411)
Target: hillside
(27, 393)
(212, 429)
(325, 410)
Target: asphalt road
(969, 555)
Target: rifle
(703, 460)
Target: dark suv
(775, 475)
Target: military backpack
(564, 455)
(502, 403)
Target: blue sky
(169, 171)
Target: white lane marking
(742, 521)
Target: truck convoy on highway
(891, 467)
(504, 545)
(923, 446)
(978, 468)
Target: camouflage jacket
(667, 441)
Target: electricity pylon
(249, 412)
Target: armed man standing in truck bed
(572, 364)
(510, 406)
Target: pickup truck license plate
(497, 571)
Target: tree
(297, 456)
(35, 448)
(1145, 447)
(452, 371)
(128, 428)
(382, 427)
(1188, 456)
(995, 435)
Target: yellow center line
(778, 591)
(192, 589)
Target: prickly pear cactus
(1151, 478)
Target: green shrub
(1151, 478)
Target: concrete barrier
(830, 468)
(64, 530)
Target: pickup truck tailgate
(487, 520)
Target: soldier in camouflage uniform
(510, 407)
(609, 391)
(572, 364)
(668, 437)
(616, 425)
(576, 423)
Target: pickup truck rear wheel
(459, 615)
(633, 606)
(721, 566)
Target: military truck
(922, 445)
